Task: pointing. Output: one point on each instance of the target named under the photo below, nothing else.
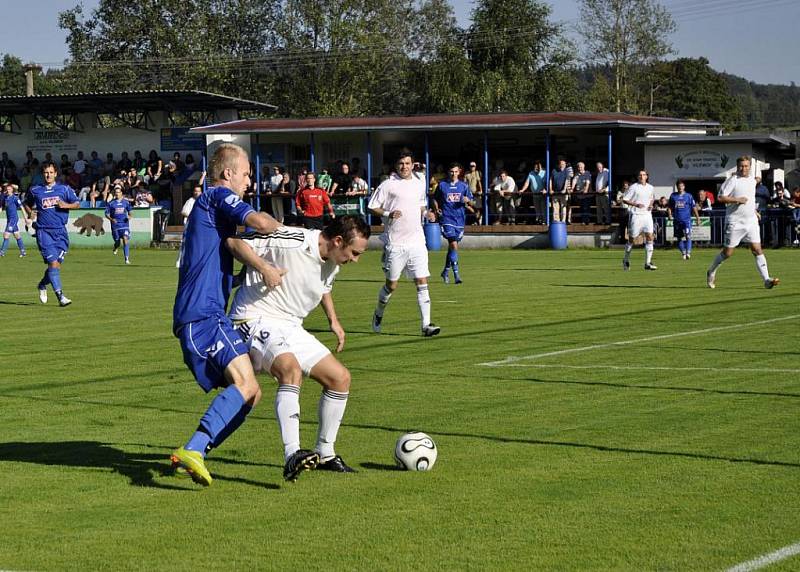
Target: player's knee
(287, 372)
(343, 381)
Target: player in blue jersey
(118, 211)
(212, 348)
(12, 205)
(681, 208)
(51, 202)
(451, 201)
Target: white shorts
(639, 224)
(270, 338)
(399, 259)
(744, 231)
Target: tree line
(389, 57)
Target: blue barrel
(433, 235)
(558, 235)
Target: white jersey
(408, 196)
(736, 187)
(640, 194)
(308, 277)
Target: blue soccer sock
(234, 424)
(20, 244)
(688, 246)
(126, 250)
(453, 255)
(45, 280)
(681, 246)
(116, 245)
(217, 417)
(5, 245)
(54, 277)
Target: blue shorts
(208, 347)
(53, 244)
(452, 232)
(12, 227)
(682, 229)
(120, 233)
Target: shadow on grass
(140, 468)
(10, 303)
(576, 445)
(380, 467)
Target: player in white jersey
(738, 194)
(272, 322)
(639, 198)
(401, 201)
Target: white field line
(651, 368)
(767, 559)
(514, 359)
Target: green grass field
(679, 451)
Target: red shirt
(312, 201)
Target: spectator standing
(582, 188)
(311, 203)
(794, 204)
(79, 166)
(342, 182)
(704, 202)
(535, 184)
(185, 212)
(506, 198)
(559, 191)
(287, 191)
(601, 199)
(139, 163)
(474, 180)
(155, 168)
(762, 195)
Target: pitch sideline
(514, 359)
(767, 559)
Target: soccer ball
(415, 451)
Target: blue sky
(759, 42)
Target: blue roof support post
(610, 171)
(547, 177)
(313, 155)
(427, 164)
(369, 177)
(205, 170)
(486, 178)
(258, 179)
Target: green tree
(629, 36)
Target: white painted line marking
(767, 559)
(651, 368)
(514, 359)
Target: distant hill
(765, 105)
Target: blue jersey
(46, 199)
(682, 206)
(12, 205)
(205, 278)
(119, 211)
(450, 198)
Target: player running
(118, 211)
(451, 201)
(51, 202)
(738, 194)
(212, 348)
(401, 201)
(639, 198)
(272, 322)
(681, 209)
(12, 205)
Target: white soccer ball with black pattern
(415, 451)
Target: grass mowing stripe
(767, 559)
(513, 359)
(651, 368)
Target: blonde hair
(744, 158)
(225, 157)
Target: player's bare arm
(262, 222)
(273, 277)
(333, 320)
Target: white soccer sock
(717, 261)
(648, 250)
(287, 410)
(331, 410)
(424, 301)
(628, 248)
(761, 264)
(383, 298)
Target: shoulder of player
(284, 236)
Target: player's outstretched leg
(384, 295)
(711, 275)
(626, 259)
(424, 302)
(126, 251)
(116, 245)
(21, 246)
(761, 265)
(4, 247)
(648, 249)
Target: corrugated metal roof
(454, 121)
(762, 138)
(138, 100)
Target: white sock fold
(424, 301)
(717, 261)
(761, 265)
(628, 248)
(287, 410)
(331, 411)
(383, 298)
(648, 250)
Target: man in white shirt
(738, 194)
(601, 195)
(401, 201)
(271, 320)
(185, 212)
(639, 199)
(506, 197)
